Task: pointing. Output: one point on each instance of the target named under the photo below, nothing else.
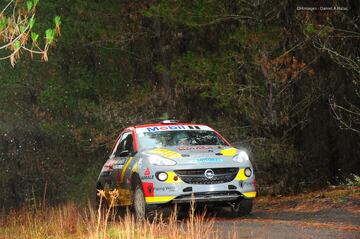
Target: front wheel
(139, 202)
(242, 207)
(141, 209)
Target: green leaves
(31, 22)
(34, 37)
(17, 44)
(3, 23)
(310, 28)
(320, 30)
(49, 35)
(22, 28)
(57, 21)
(29, 5)
(17, 22)
(35, 2)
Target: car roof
(161, 124)
(164, 124)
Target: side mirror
(124, 153)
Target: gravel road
(327, 223)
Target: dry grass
(69, 221)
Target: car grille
(197, 176)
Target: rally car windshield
(149, 140)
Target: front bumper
(178, 191)
(220, 196)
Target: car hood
(202, 154)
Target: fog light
(162, 176)
(247, 172)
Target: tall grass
(70, 221)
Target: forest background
(281, 80)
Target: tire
(242, 207)
(142, 210)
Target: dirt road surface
(321, 215)
(329, 223)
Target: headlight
(247, 172)
(160, 161)
(241, 157)
(162, 176)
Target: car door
(122, 159)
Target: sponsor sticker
(147, 174)
(167, 188)
(120, 161)
(118, 166)
(199, 147)
(172, 128)
(207, 160)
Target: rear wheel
(242, 207)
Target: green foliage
(57, 21)
(34, 36)
(192, 14)
(22, 29)
(310, 28)
(35, 2)
(29, 5)
(321, 30)
(31, 22)
(206, 75)
(235, 66)
(265, 36)
(279, 168)
(3, 23)
(164, 116)
(50, 35)
(17, 44)
(17, 22)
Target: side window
(126, 143)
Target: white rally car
(158, 165)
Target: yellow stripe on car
(229, 152)
(134, 169)
(124, 169)
(159, 199)
(165, 153)
(241, 175)
(250, 194)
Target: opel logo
(209, 173)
